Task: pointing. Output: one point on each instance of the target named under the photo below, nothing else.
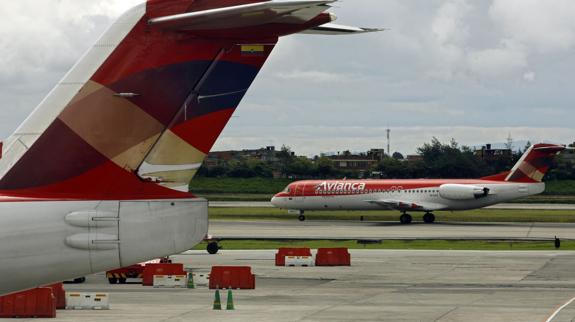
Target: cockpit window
(287, 189)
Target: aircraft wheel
(429, 218)
(405, 219)
(301, 218)
(213, 248)
(112, 280)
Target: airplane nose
(276, 201)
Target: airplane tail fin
(534, 163)
(136, 116)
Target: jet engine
(462, 192)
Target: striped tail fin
(534, 163)
(137, 115)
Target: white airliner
(422, 195)
(92, 180)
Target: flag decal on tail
(253, 50)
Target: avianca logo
(340, 186)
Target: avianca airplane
(92, 180)
(423, 195)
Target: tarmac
(381, 285)
(514, 206)
(387, 230)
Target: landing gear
(429, 218)
(301, 217)
(405, 219)
(213, 248)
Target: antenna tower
(388, 142)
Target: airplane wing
(407, 205)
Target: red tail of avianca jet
(92, 179)
(423, 195)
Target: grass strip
(397, 244)
(478, 215)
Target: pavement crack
(445, 314)
(530, 229)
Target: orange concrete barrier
(283, 252)
(234, 277)
(35, 303)
(59, 294)
(333, 257)
(160, 269)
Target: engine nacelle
(462, 192)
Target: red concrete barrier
(35, 303)
(160, 269)
(59, 294)
(283, 252)
(332, 257)
(234, 277)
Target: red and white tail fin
(137, 115)
(534, 163)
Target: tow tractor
(121, 275)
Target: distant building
(362, 161)
(487, 153)
(414, 158)
(267, 154)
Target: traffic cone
(230, 304)
(191, 280)
(217, 301)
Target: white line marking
(559, 310)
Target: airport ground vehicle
(422, 195)
(121, 275)
(96, 177)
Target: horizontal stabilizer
(254, 14)
(333, 29)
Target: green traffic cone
(230, 305)
(191, 280)
(217, 301)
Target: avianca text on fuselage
(422, 195)
(333, 186)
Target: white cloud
(508, 59)
(548, 26)
(314, 76)
(529, 76)
(449, 25)
(445, 68)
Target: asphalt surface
(388, 230)
(381, 285)
(517, 206)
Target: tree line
(438, 160)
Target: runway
(389, 230)
(381, 285)
(514, 206)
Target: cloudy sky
(473, 70)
